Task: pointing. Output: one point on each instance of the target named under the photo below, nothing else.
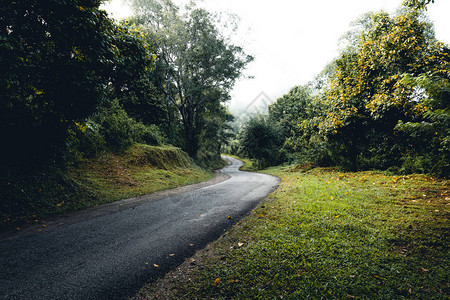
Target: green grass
(326, 234)
(141, 169)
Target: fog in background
(292, 41)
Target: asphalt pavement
(110, 253)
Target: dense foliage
(56, 59)
(419, 4)
(260, 140)
(384, 102)
(75, 82)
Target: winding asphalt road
(111, 253)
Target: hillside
(141, 169)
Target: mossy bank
(27, 197)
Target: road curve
(110, 256)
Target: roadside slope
(28, 198)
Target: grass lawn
(326, 234)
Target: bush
(110, 129)
(117, 128)
(425, 164)
(85, 139)
(261, 140)
(149, 134)
(415, 164)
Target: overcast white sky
(293, 40)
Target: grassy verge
(141, 169)
(327, 234)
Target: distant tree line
(382, 104)
(75, 83)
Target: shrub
(85, 139)
(149, 134)
(110, 129)
(261, 140)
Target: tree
(135, 79)
(215, 133)
(366, 96)
(56, 60)
(291, 109)
(200, 65)
(260, 139)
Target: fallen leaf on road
(230, 218)
(156, 266)
(171, 254)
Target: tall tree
(200, 65)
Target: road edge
(58, 221)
